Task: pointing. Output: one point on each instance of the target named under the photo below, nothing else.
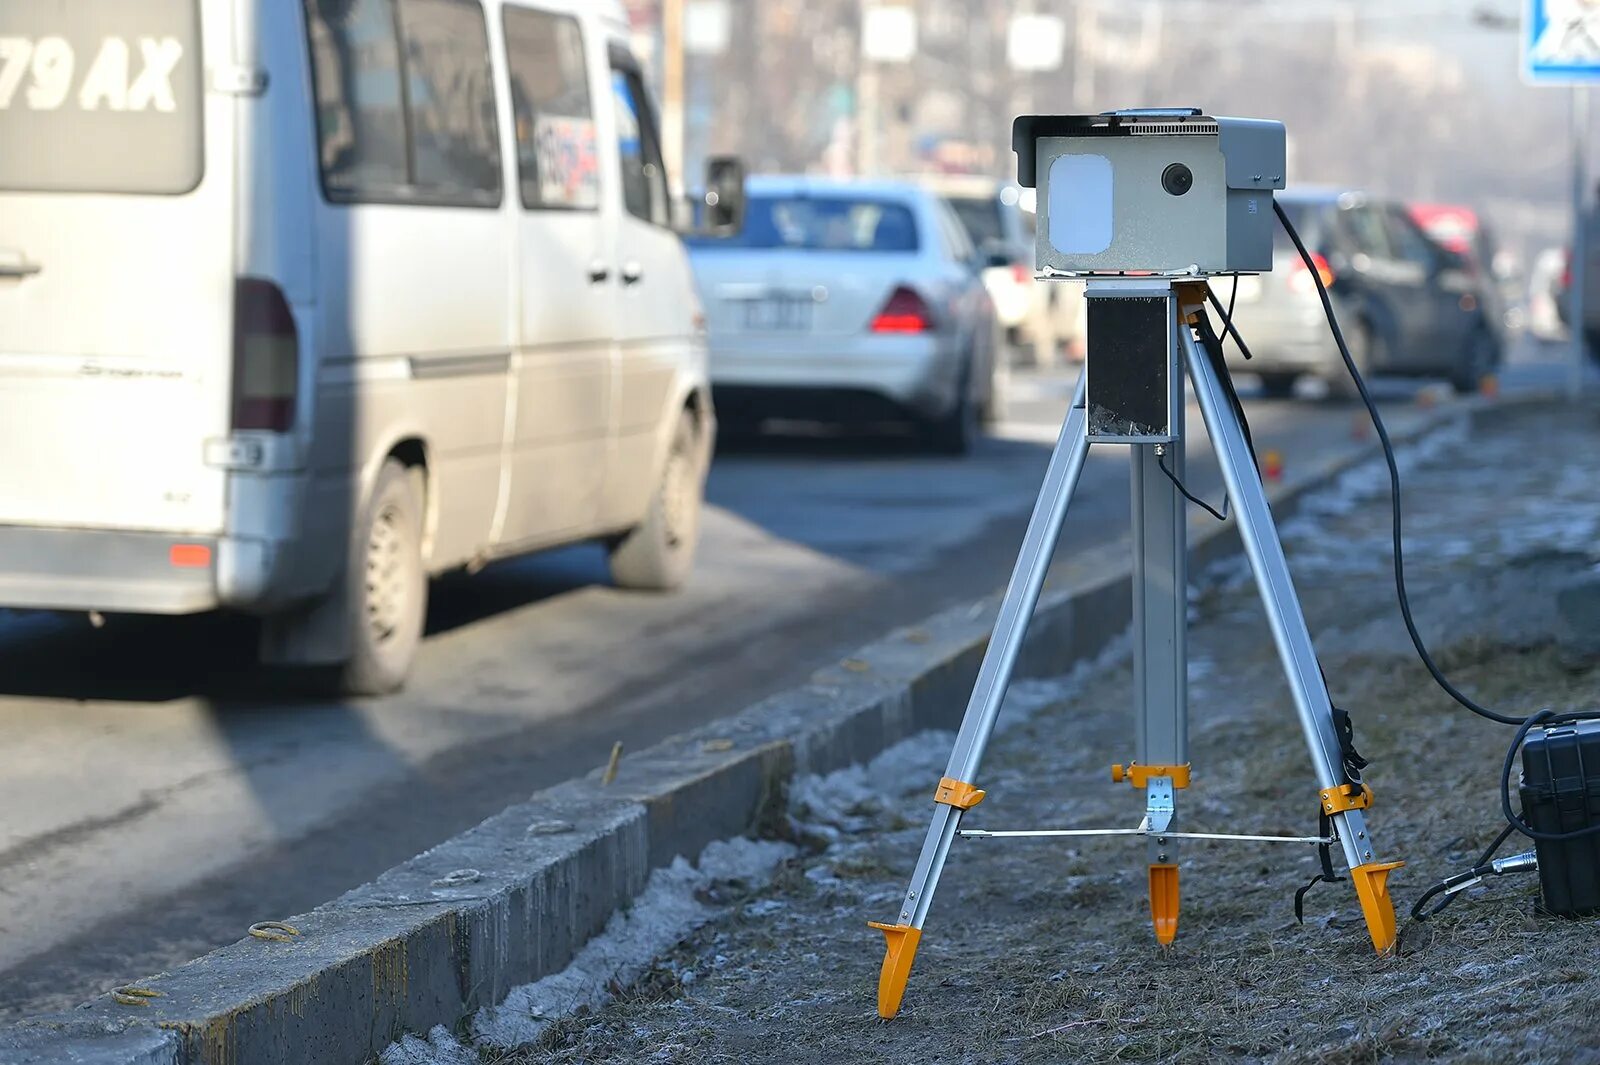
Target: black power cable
(1220, 515)
(1394, 485)
(1480, 868)
(1523, 724)
(1227, 317)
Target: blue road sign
(1561, 42)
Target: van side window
(644, 177)
(455, 143)
(558, 162)
(405, 101)
(361, 124)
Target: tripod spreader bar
(1232, 837)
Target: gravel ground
(1040, 951)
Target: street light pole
(867, 117)
(1580, 233)
(672, 62)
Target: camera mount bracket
(1160, 614)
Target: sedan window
(823, 223)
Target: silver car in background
(849, 302)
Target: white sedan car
(849, 302)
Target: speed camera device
(1171, 191)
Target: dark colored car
(1591, 283)
(1407, 305)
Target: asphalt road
(158, 793)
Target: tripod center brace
(1132, 393)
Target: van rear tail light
(266, 357)
(906, 312)
(1300, 278)
(1021, 274)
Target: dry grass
(1035, 955)
(1041, 952)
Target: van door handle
(632, 273)
(598, 272)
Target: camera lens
(1177, 179)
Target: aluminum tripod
(1160, 605)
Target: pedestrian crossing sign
(1561, 42)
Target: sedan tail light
(1300, 278)
(266, 357)
(1021, 274)
(906, 312)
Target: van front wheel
(388, 591)
(657, 554)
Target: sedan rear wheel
(1476, 362)
(1280, 385)
(955, 431)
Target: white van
(304, 300)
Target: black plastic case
(1561, 792)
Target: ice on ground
(662, 915)
(1370, 479)
(844, 801)
(832, 805)
(440, 1048)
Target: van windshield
(100, 96)
(805, 222)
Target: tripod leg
(955, 793)
(1160, 670)
(1160, 664)
(1293, 640)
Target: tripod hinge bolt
(957, 793)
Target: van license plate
(786, 313)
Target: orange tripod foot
(1164, 902)
(902, 949)
(1372, 888)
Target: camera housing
(1166, 191)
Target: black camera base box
(1560, 792)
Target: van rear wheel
(388, 592)
(658, 553)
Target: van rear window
(100, 96)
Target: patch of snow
(833, 805)
(440, 1048)
(661, 916)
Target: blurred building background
(1417, 98)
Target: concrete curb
(510, 901)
